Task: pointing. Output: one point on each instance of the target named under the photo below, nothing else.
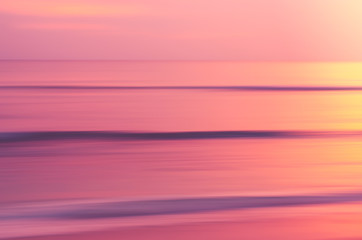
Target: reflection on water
(80, 150)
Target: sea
(97, 145)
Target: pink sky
(286, 30)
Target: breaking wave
(12, 137)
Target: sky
(246, 30)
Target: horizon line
(178, 60)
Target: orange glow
(343, 73)
(47, 8)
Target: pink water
(62, 144)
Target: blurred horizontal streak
(118, 209)
(10, 137)
(225, 88)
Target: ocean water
(92, 145)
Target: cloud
(52, 8)
(64, 26)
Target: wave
(74, 216)
(221, 88)
(12, 137)
(138, 208)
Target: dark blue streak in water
(170, 206)
(13, 137)
(194, 205)
(221, 88)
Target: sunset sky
(261, 30)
